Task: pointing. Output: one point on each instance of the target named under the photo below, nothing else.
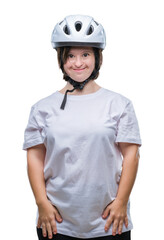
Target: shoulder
(44, 103)
(116, 98)
(42, 108)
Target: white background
(133, 66)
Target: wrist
(122, 201)
(41, 202)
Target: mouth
(79, 69)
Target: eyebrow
(83, 51)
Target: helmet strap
(76, 85)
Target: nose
(78, 61)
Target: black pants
(58, 236)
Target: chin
(80, 79)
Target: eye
(86, 54)
(70, 55)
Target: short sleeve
(128, 128)
(32, 133)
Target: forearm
(116, 211)
(128, 176)
(48, 214)
(35, 169)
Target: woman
(82, 144)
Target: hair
(62, 54)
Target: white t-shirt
(83, 163)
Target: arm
(130, 154)
(35, 168)
(117, 210)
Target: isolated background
(133, 66)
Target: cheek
(66, 67)
(92, 65)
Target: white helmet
(78, 30)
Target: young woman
(82, 144)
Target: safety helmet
(78, 30)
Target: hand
(47, 216)
(117, 212)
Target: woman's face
(80, 63)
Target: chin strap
(76, 85)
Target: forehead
(81, 49)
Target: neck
(90, 87)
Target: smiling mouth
(79, 69)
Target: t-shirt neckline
(78, 97)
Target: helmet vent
(90, 31)
(66, 30)
(78, 26)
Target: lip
(79, 69)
